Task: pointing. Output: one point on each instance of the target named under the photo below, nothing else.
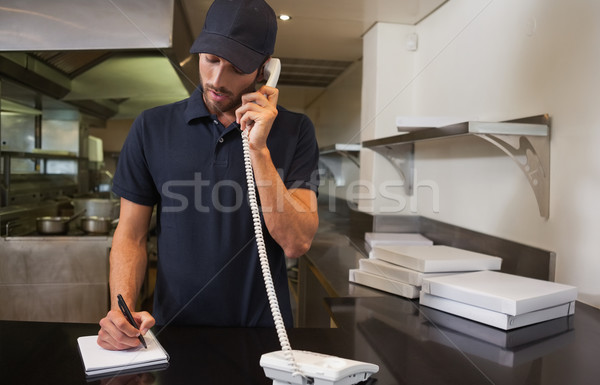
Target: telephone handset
(289, 366)
(271, 71)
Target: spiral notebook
(99, 362)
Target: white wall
(386, 92)
(336, 116)
(498, 60)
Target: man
(187, 159)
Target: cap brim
(242, 57)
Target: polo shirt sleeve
(133, 180)
(304, 171)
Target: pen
(127, 314)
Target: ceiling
(322, 39)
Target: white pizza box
(436, 258)
(508, 357)
(395, 272)
(378, 239)
(384, 284)
(505, 339)
(501, 292)
(495, 318)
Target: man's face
(223, 84)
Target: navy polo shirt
(180, 158)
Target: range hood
(49, 46)
(83, 52)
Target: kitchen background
(354, 68)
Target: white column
(388, 70)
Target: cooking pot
(98, 207)
(97, 225)
(55, 225)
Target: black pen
(127, 314)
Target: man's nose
(220, 76)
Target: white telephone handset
(272, 71)
(289, 366)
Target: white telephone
(272, 70)
(289, 366)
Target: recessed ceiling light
(284, 17)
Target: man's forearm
(128, 262)
(290, 215)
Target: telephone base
(317, 368)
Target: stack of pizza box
(502, 300)
(401, 269)
(392, 239)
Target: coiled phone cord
(264, 261)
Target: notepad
(100, 362)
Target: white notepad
(98, 361)
(437, 258)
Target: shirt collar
(195, 106)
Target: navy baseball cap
(242, 32)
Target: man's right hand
(116, 333)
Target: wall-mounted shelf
(526, 141)
(337, 157)
(43, 155)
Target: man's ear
(260, 76)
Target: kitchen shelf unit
(336, 156)
(526, 141)
(44, 156)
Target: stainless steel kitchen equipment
(98, 207)
(55, 278)
(55, 225)
(60, 277)
(97, 225)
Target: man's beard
(228, 106)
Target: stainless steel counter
(54, 278)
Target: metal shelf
(526, 141)
(43, 155)
(336, 156)
(64, 155)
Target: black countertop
(410, 343)
(47, 353)
(420, 345)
